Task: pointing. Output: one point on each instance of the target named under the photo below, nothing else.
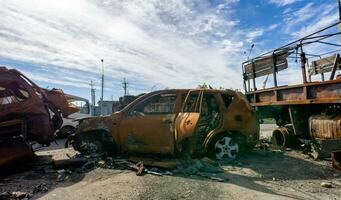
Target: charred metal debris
(27, 113)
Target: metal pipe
(303, 61)
(274, 69)
(254, 76)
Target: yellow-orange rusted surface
(135, 132)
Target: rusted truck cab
(171, 121)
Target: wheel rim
(225, 148)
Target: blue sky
(154, 44)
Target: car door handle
(188, 122)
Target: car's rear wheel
(225, 148)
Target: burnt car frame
(201, 121)
(27, 112)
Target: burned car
(27, 113)
(201, 121)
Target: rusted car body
(27, 112)
(171, 121)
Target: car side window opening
(209, 118)
(227, 99)
(191, 102)
(209, 105)
(158, 104)
(13, 94)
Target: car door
(148, 125)
(189, 116)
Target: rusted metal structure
(311, 110)
(171, 121)
(27, 112)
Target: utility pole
(339, 2)
(93, 103)
(125, 86)
(102, 86)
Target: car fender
(108, 124)
(211, 136)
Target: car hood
(107, 122)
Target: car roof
(187, 90)
(227, 91)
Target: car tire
(94, 142)
(225, 147)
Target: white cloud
(149, 42)
(323, 22)
(250, 36)
(310, 18)
(283, 2)
(272, 27)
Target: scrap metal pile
(27, 113)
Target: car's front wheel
(225, 148)
(93, 142)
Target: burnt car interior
(158, 104)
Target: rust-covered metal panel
(137, 130)
(325, 126)
(303, 94)
(185, 125)
(27, 111)
(239, 117)
(147, 134)
(58, 99)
